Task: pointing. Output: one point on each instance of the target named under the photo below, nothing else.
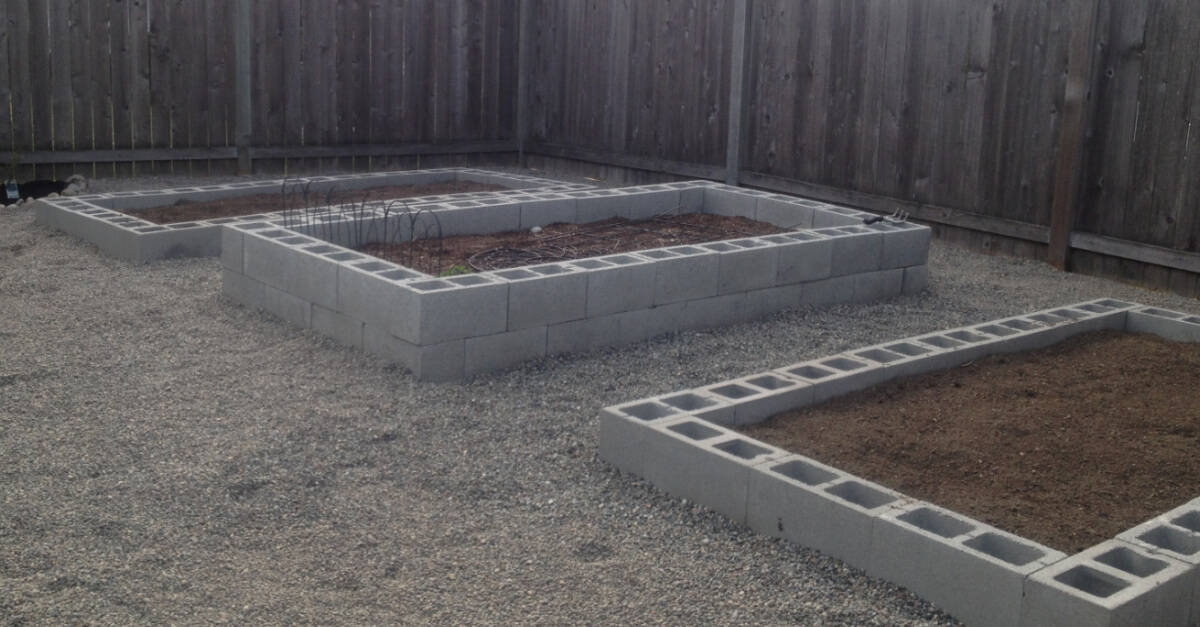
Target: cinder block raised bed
(99, 219)
(683, 443)
(455, 327)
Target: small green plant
(455, 270)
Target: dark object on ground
(40, 188)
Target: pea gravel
(167, 456)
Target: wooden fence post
(243, 123)
(524, 28)
(737, 91)
(1067, 177)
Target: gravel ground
(167, 456)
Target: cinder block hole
(184, 225)
(1131, 562)
(1192, 319)
(274, 234)
(150, 229)
(429, 286)
(648, 411)
(344, 256)
(770, 382)
(881, 356)
(1091, 581)
(966, 336)
(320, 249)
(687, 250)
(801, 237)
(694, 430)
(659, 254)
(688, 401)
(996, 330)
(1115, 304)
(853, 230)
(904, 348)
(1020, 325)
(257, 216)
(936, 522)
(468, 280)
(516, 274)
(811, 372)
(549, 270)
(720, 247)
(222, 220)
(295, 240)
(843, 364)
(733, 391)
(747, 243)
(372, 266)
(1069, 313)
(862, 495)
(621, 260)
(1190, 520)
(804, 473)
(1005, 549)
(777, 239)
(940, 342)
(1048, 318)
(398, 275)
(591, 264)
(743, 449)
(254, 226)
(1180, 542)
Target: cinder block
(544, 295)
(1113, 584)
(617, 288)
(1171, 325)
(856, 250)
(761, 303)
(280, 303)
(826, 215)
(1175, 534)
(242, 289)
(478, 220)
(714, 311)
(371, 298)
(341, 328)
(445, 361)
(377, 341)
(699, 461)
(973, 571)
(542, 212)
(916, 279)
(828, 291)
(203, 241)
(758, 397)
(691, 199)
(873, 286)
(836, 375)
(585, 335)
(231, 248)
(784, 212)
(699, 404)
(307, 276)
(744, 265)
(494, 352)
(905, 245)
(643, 204)
(683, 273)
(809, 257)
(450, 310)
(603, 205)
(819, 507)
(729, 201)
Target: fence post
(1067, 175)
(242, 91)
(737, 91)
(523, 34)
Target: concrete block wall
(469, 324)
(98, 218)
(978, 573)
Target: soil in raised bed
(1067, 446)
(564, 241)
(186, 211)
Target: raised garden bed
(447, 328)
(112, 223)
(685, 443)
(1067, 445)
(296, 195)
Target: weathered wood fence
(1060, 130)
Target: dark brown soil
(562, 242)
(1067, 446)
(185, 211)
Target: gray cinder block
(544, 295)
(856, 249)
(744, 265)
(758, 397)
(542, 212)
(905, 245)
(342, 328)
(287, 268)
(836, 375)
(502, 350)
(1172, 325)
(617, 288)
(808, 257)
(445, 310)
(730, 201)
(683, 273)
(916, 279)
(231, 248)
(872, 286)
(584, 335)
(973, 571)
(1113, 584)
(784, 212)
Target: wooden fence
(1056, 130)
